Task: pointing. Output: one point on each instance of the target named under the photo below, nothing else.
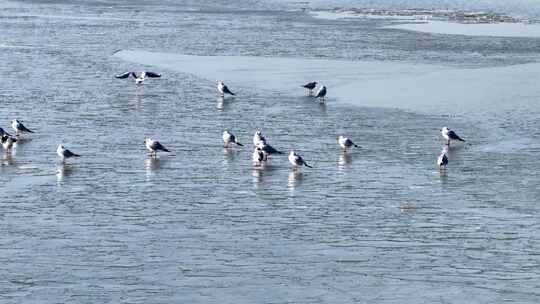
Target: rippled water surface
(379, 224)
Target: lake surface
(379, 224)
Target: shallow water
(379, 224)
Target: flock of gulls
(262, 148)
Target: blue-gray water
(380, 224)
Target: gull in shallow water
(450, 135)
(65, 153)
(258, 137)
(7, 142)
(223, 89)
(321, 93)
(345, 142)
(138, 79)
(442, 160)
(153, 146)
(267, 148)
(229, 138)
(297, 160)
(19, 127)
(259, 156)
(309, 87)
(3, 132)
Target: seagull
(321, 93)
(259, 156)
(65, 153)
(442, 160)
(153, 146)
(7, 141)
(297, 160)
(266, 148)
(2, 132)
(345, 142)
(258, 137)
(229, 138)
(19, 127)
(450, 135)
(223, 89)
(310, 86)
(138, 79)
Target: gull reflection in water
(344, 160)
(295, 179)
(7, 159)
(151, 164)
(63, 171)
(220, 103)
(229, 155)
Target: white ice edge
(481, 29)
(379, 84)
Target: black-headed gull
(65, 153)
(223, 89)
(7, 142)
(321, 93)
(229, 138)
(450, 135)
(153, 146)
(19, 128)
(310, 86)
(267, 148)
(259, 156)
(258, 137)
(297, 160)
(345, 142)
(140, 78)
(442, 160)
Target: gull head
(444, 129)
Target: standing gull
(153, 146)
(258, 137)
(345, 142)
(138, 79)
(297, 160)
(229, 138)
(259, 156)
(65, 153)
(442, 160)
(7, 142)
(267, 148)
(321, 93)
(223, 89)
(3, 132)
(309, 87)
(450, 135)
(19, 127)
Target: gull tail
(239, 144)
(356, 146)
(305, 164)
(76, 155)
(166, 150)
